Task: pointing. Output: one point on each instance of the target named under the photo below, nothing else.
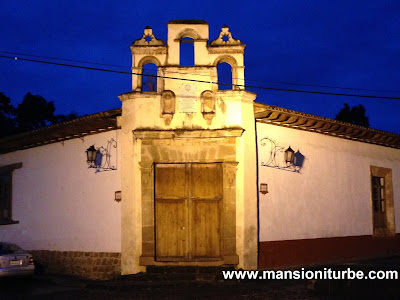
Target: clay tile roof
(107, 120)
(289, 118)
(77, 128)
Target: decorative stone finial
(148, 39)
(228, 41)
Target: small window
(6, 193)
(382, 201)
(5, 197)
(378, 201)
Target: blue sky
(353, 44)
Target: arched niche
(208, 106)
(167, 106)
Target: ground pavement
(200, 284)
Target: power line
(202, 81)
(186, 73)
(63, 59)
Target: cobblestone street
(239, 290)
(185, 286)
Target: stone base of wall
(295, 253)
(92, 265)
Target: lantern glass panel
(289, 155)
(91, 154)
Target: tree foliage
(7, 111)
(355, 115)
(34, 112)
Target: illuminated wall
(330, 196)
(60, 203)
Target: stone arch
(144, 61)
(227, 59)
(187, 49)
(188, 32)
(230, 60)
(149, 59)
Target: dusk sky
(348, 44)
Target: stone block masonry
(91, 265)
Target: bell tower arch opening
(148, 55)
(224, 71)
(149, 78)
(227, 70)
(186, 52)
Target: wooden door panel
(188, 201)
(170, 180)
(205, 229)
(206, 180)
(171, 229)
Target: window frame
(386, 205)
(8, 170)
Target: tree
(65, 118)
(355, 115)
(7, 115)
(34, 112)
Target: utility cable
(186, 73)
(202, 81)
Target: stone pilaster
(148, 239)
(229, 216)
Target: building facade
(326, 206)
(196, 176)
(194, 141)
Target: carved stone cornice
(187, 133)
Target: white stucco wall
(60, 203)
(331, 196)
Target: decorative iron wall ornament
(278, 157)
(100, 158)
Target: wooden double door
(188, 205)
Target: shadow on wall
(99, 159)
(298, 160)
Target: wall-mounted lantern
(91, 156)
(118, 196)
(100, 158)
(263, 188)
(289, 156)
(280, 158)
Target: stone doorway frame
(189, 146)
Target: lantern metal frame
(275, 151)
(100, 158)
